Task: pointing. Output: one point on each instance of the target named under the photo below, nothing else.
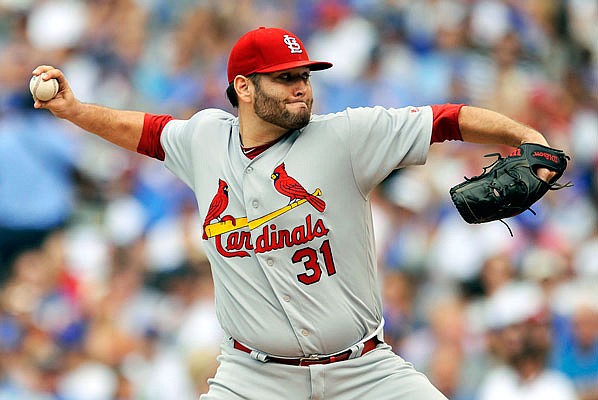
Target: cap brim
(312, 65)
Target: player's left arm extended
(479, 125)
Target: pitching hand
(64, 103)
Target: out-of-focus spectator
(157, 371)
(497, 272)
(399, 313)
(546, 267)
(36, 181)
(442, 372)
(520, 336)
(342, 31)
(576, 344)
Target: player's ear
(242, 87)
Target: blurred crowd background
(105, 292)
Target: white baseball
(43, 90)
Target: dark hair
(231, 93)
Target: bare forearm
(480, 125)
(122, 128)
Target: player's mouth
(298, 105)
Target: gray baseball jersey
(289, 233)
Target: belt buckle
(310, 358)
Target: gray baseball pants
(377, 375)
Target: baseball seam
(38, 82)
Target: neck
(255, 131)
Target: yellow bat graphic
(219, 228)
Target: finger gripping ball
(43, 90)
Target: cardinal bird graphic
(288, 186)
(217, 206)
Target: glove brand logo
(292, 44)
(547, 156)
(509, 185)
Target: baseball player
(285, 200)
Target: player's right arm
(123, 128)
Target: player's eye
(293, 78)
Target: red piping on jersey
(149, 143)
(445, 125)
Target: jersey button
(286, 298)
(304, 332)
(270, 262)
(255, 204)
(249, 170)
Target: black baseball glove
(510, 185)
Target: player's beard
(273, 110)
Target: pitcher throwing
(289, 236)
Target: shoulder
(346, 113)
(207, 120)
(345, 116)
(379, 119)
(214, 115)
(320, 118)
(368, 113)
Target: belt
(368, 345)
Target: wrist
(533, 136)
(76, 111)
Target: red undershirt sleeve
(149, 144)
(446, 123)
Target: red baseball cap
(265, 50)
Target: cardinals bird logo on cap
(292, 44)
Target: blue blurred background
(105, 292)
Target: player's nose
(300, 88)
